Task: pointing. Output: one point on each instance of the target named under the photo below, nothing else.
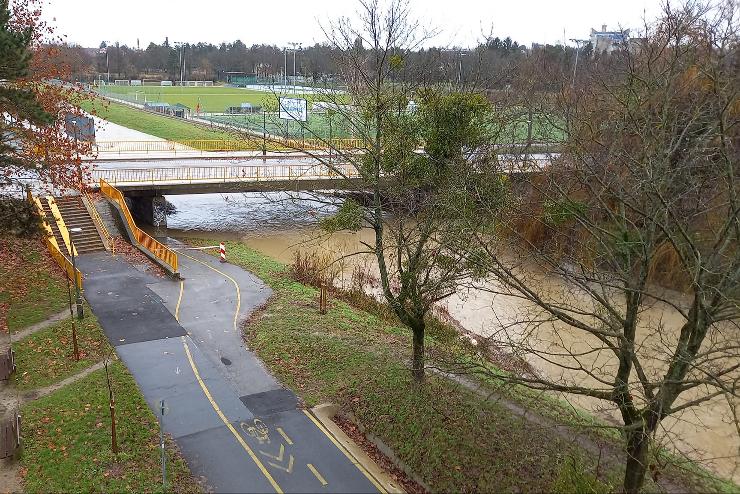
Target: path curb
(325, 413)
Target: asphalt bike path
(236, 426)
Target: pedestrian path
(234, 423)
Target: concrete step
(75, 215)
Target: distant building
(608, 41)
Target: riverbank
(280, 228)
(452, 437)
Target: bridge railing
(161, 251)
(215, 174)
(215, 145)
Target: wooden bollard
(322, 299)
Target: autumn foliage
(35, 99)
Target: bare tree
(412, 163)
(643, 200)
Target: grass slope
(158, 126)
(67, 441)
(47, 357)
(32, 286)
(455, 440)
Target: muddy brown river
(279, 228)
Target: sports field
(316, 126)
(216, 99)
(211, 99)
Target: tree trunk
(638, 442)
(417, 366)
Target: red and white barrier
(222, 249)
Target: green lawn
(32, 286)
(47, 357)
(67, 443)
(455, 440)
(156, 125)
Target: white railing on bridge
(222, 174)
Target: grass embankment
(159, 126)
(453, 439)
(67, 442)
(47, 356)
(32, 286)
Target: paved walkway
(236, 426)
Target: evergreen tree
(16, 103)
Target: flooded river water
(279, 227)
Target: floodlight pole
(575, 65)
(294, 48)
(285, 66)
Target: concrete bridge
(145, 181)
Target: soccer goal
(122, 82)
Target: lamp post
(76, 351)
(78, 297)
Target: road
(236, 426)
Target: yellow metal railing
(61, 225)
(213, 145)
(225, 174)
(73, 274)
(110, 245)
(161, 251)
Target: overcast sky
(462, 22)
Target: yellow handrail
(161, 251)
(99, 222)
(61, 224)
(51, 244)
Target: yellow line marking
(317, 474)
(285, 436)
(238, 437)
(341, 448)
(238, 293)
(179, 299)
